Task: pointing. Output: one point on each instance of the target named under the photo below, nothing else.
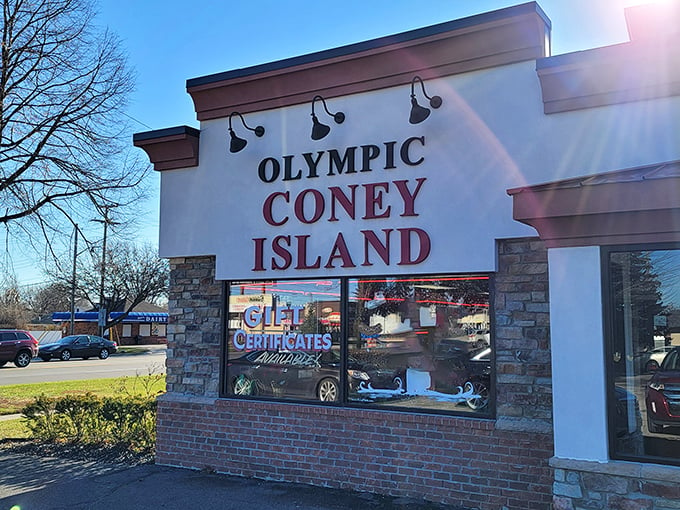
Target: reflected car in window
(662, 396)
(78, 346)
(479, 380)
(303, 374)
(652, 360)
(292, 374)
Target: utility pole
(73, 284)
(103, 312)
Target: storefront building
(135, 328)
(449, 283)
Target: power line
(137, 121)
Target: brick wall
(479, 463)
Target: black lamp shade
(418, 113)
(237, 144)
(319, 130)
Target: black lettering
(262, 169)
(288, 170)
(339, 163)
(405, 148)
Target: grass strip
(14, 397)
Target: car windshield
(67, 340)
(671, 361)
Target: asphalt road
(118, 365)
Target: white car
(655, 357)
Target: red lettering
(319, 206)
(340, 251)
(383, 250)
(259, 254)
(424, 246)
(282, 252)
(267, 208)
(302, 254)
(338, 196)
(374, 200)
(408, 197)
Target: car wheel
(65, 355)
(399, 383)
(3, 363)
(23, 359)
(651, 366)
(103, 354)
(244, 386)
(328, 390)
(653, 427)
(478, 388)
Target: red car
(17, 346)
(662, 398)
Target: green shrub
(89, 419)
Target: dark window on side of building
(642, 306)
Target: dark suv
(17, 346)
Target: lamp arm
(242, 121)
(422, 85)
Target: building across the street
(441, 264)
(146, 324)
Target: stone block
(567, 489)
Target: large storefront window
(644, 354)
(421, 342)
(284, 339)
(424, 342)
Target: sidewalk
(29, 482)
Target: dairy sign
(265, 317)
(367, 210)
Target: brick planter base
(436, 458)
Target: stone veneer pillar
(195, 304)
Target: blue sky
(169, 41)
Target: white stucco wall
(577, 345)
(489, 135)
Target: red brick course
(446, 459)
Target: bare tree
(63, 87)
(133, 274)
(14, 312)
(47, 299)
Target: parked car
(303, 374)
(17, 346)
(78, 346)
(479, 380)
(652, 360)
(662, 396)
(480, 338)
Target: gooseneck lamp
(420, 113)
(237, 144)
(320, 130)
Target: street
(118, 365)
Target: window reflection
(422, 342)
(284, 339)
(645, 353)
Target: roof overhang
(637, 205)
